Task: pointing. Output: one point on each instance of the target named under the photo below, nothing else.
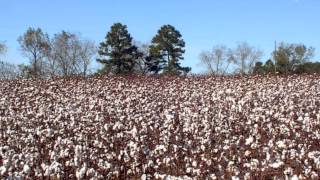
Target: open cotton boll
(26, 169)
(276, 164)
(80, 173)
(281, 144)
(3, 170)
(249, 140)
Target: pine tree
(117, 52)
(166, 51)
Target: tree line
(69, 54)
(287, 58)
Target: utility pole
(274, 56)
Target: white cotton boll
(47, 171)
(247, 176)
(76, 161)
(26, 169)
(254, 163)
(228, 91)
(294, 177)
(166, 160)
(247, 153)
(235, 178)
(91, 172)
(276, 164)
(78, 150)
(249, 140)
(3, 170)
(144, 177)
(194, 163)
(150, 163)
(49, 132)
(80, 173)
(106, 127)
(203, 148)
(281, 144)
(226, 147)
(314, 175)
(55, 167)
(189, 170)
(7, 163)
(213, 176)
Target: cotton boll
(295, 177)
(235, 178)
(194, 163)
(276, 164)
(81, 172)
(249, 140)
(91, 172)
(247, 153)
(213, 176)
(143, 177)
(281, 144)
(26, 169)
(3, 170)
(314, 175)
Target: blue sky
(203, 23)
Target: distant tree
(141, 66)
(308, 67)
(166, 51)
(24, 71)
(259, 68)
(3, 48)
(117, 52)
(65, 52)
(245, 56)
(88, 51)
(216, 61)
(70, 54)
(34, 44)
(266, 68)
(155, 61)
(289, 56)
(269, 66)
(8, 71)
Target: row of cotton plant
(161, 128)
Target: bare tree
(216, 61)
(34, 44)
(245, 57)
(143, 51)
(71, 55)
(60, 54)
(3, 48)
(8, 71)
(88, 50)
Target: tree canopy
(117, 52)
(166, 51)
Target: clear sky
(202, 23)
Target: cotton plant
(163, 128)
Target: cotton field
(161, 128)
